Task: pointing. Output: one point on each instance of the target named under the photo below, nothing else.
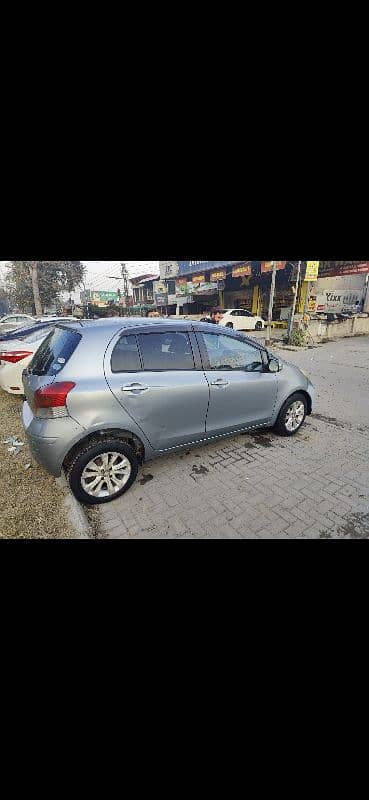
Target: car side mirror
(275, 365)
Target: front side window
(166, 351)
(224, 352)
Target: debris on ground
(25, 487)
(15, 445)
(14, 441)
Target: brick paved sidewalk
(260, 486)
(252, 486)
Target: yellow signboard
(218, 275)
(267, 266)
(312, 269)
(312, 304)
(237, 272)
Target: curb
(76, 515)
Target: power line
(99, 279)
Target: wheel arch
(297, 391)
(96, 437)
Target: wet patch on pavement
(264, 439)
(199, 470)
(146, 479)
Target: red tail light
(13, 356)
(53, 396)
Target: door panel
(239, 399)
(169, 405)
(241, 392)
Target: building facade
(200, 285)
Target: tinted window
(54, 352)
(125, 356)
(166, 351)
(227, 353)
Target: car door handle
(220, 382)
(135, 388)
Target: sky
(98, 272)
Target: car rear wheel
(291, 415)
(103, 471)
(229, 325)
(259, 326)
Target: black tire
(280, 425)
(259, 326)
(229, 325)
(88, 454)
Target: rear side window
(54, 352)
(125, 356)
(166, 351)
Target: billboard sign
(181, 286)
(218, 275)
(338, 301)
(312, 269)
(267, 266)
(191, 267)
(161, 298)
(337, 268)
(239, 272)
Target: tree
(4, 301)
(36, 284)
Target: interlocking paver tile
(303, 487)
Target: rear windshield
(54, 352)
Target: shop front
(201, 285)
(204, 283)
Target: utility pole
(86, 303)
(271, 301)
(125, 286)
(290, 324)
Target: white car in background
(241, 320)
(51, 318)
(16, 355)
(11, 322)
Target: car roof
(109, 325)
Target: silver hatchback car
(104, 396)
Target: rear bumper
(50, 440)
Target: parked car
(50, 317)
(104, 396)
(25, 331)
(17, 352)
(12, 321)
(241, 320)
